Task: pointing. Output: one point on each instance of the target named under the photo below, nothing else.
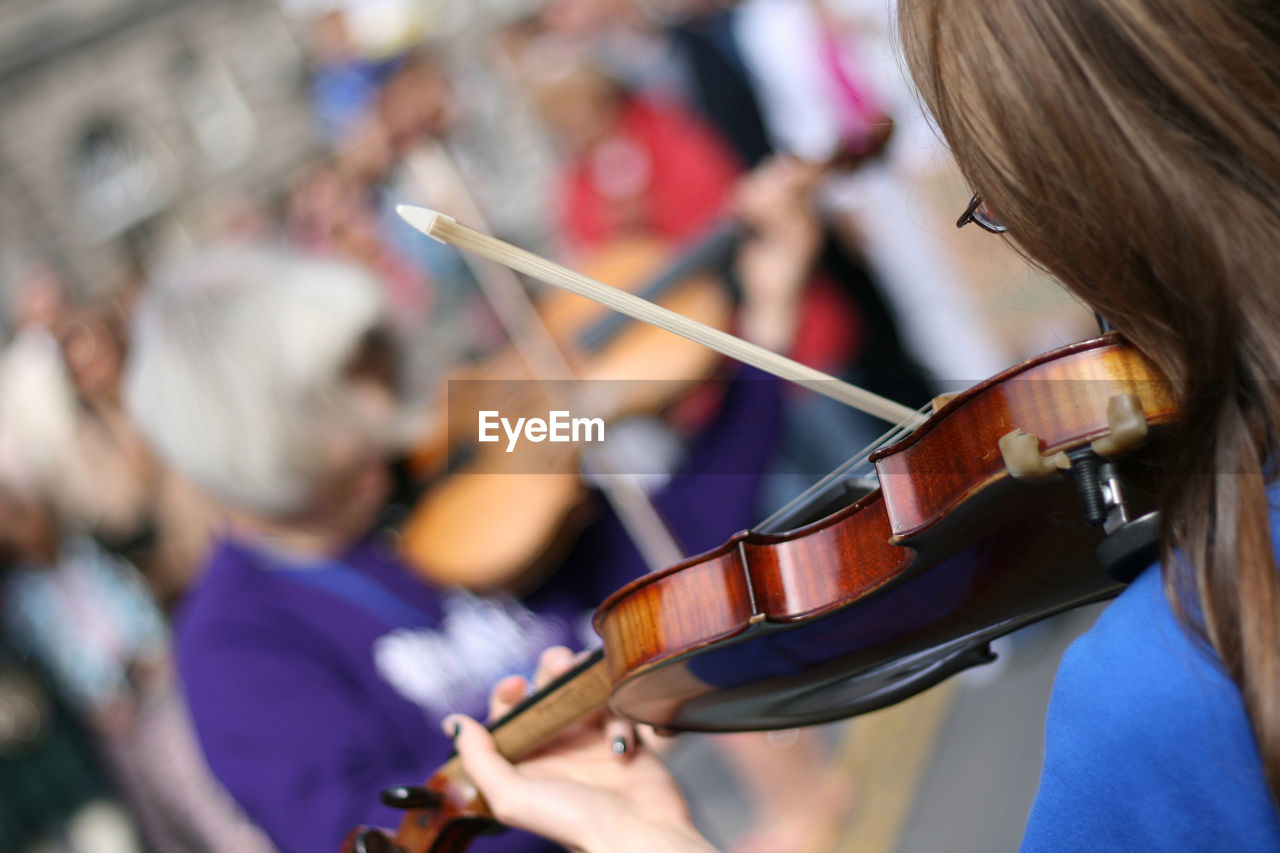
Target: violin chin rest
(1024, 459)
(1131, 547)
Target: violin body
(862, 607)
(900, 589)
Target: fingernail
(619, 745)
(451, 727)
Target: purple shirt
(309, 698)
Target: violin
(1021, 497)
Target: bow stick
(446, 229)
(537, 348)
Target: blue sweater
(1147, 744)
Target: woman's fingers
(510, 691)
(651, 740)
(554, 662)
(484, 764)
(506, 694)
(552, 806)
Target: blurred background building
(123, 118)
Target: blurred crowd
(286, 386)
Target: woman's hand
(593, 789)
(775, 262)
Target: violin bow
(448, 230)
(538, 349)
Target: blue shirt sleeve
(1147, 743)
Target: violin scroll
(441, 817)
(366, 839)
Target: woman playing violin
(1129, 147)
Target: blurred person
(826, 71)
(463, 103)
(332, 212)
(112, 491)
(874, 353)
(38, 298)
(89, 618)
(884, 310)
(683, 53)
(807, 79)
(315, 662)
(633, 166)
(57, 798)
(640, 168)
(459, 144)
(343, 81)
(317, 665)
(106, 481)
(778, 78)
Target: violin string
(537, 348)
(844, 471)
(448, 230)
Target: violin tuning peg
(410, 797)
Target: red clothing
(830, 335)
(664, 173)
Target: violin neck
(527, 727)
(578, 693)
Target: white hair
(236, 361)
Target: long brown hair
(1132, 147)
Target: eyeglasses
(980, 215)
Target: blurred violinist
(317, 665)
